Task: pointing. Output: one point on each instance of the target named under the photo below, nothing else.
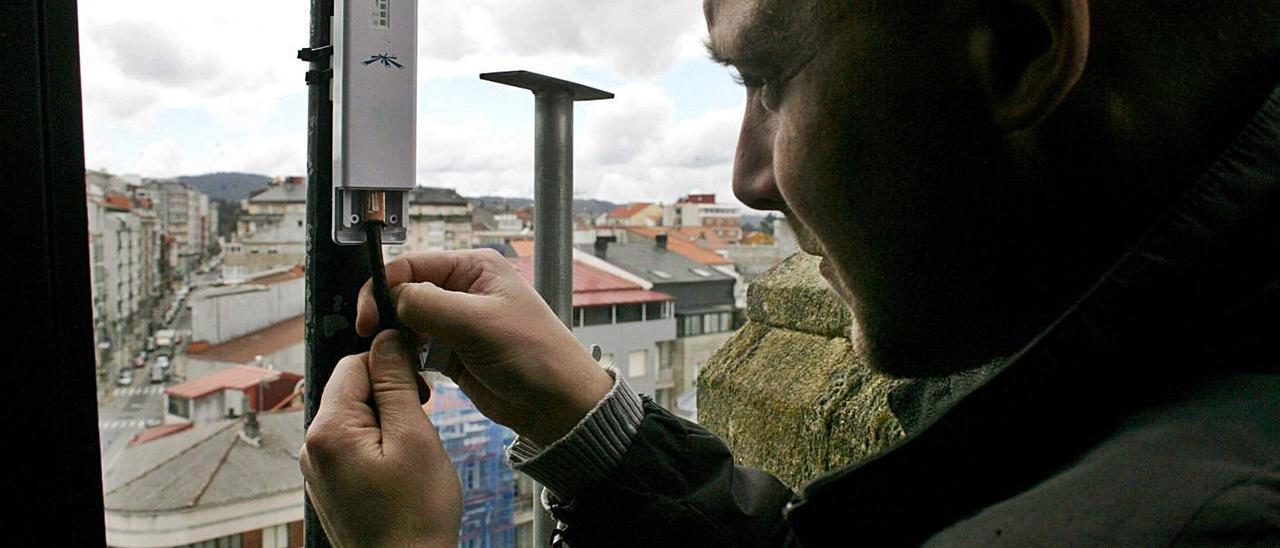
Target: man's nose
(753, 179)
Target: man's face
(868, 130)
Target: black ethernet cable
(374, 221)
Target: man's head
(968, 167)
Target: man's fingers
(450, 270)
(394, 388)
(426, 308)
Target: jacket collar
(985, 435)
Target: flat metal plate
(541, 82)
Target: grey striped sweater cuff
(590, 451)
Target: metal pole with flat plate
(553, 207)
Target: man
(1059, 215)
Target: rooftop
(264, 342)
(240, 377)
(207, 465)
(286, 193)
(628, 211)
(701, 237)
(595, 287)
(659, 266)
(523, 248)
(439, 196)
(682, 243)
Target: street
(128, 410)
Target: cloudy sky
(177, 88)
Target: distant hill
(227, 187)
(580, 207)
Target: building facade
(703, 309)
(701, 210)
(438, 219)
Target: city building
(229, 393)
(183, 214)
(701, 210)
(628, 321)
(127, 252)
(223, 312)
(704, 308)
(283, 196)
(278, 346)
(270, 246)
(477, 448)
(270, 232)
(227, 482)
(438, 219)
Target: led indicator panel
(380, 18)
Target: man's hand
(383, 481)
(515, 360)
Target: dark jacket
(1147, 414)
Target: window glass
(711, 323)
(654, 311)
(180, 407)
(629, 312)
(597, 315)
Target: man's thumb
(395, 390)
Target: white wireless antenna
(375, 92)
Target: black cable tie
(311, 55)
(319, 76)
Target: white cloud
(634, 38)
(630, 149)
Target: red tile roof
(628, 211)
(263, 342)
(681, 241)
(118, 201)
(595, 287)
(625, 296)
(240, 377)
(523, 248)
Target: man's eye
(767, 90)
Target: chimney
(602, 245)
(661, 241)
(251, 432)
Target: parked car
(163, 362)
(157, 373)
(140, 361)
(125, 378)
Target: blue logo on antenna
(385, 59)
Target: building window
(180, 407)
(630, 312)
(711, 323)
(276, 537)
(637, 363)
(597, 315)
(656, 311)
(692, 325)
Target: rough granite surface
(787, 392)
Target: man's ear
(1029, 53)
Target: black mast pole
(334, 273)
